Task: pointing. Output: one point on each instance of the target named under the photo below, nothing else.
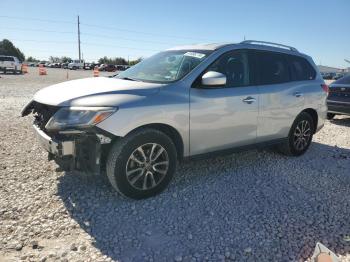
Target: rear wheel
(300, 136)
(330, 116)
(142, 164)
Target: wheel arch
(170, 131)
(313, 113)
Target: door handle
(249, 100)
(298, 94)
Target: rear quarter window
(273, 68)
(300, 69)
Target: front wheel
(142, 164)
(300, 136)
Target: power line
(87, 34)
(105, 28)
(144, 33)
(125, 38)
(118, 46)
(43, 41)
(84, 43)
(37, 19)
(38, 30)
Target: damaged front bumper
(75, 149)
(55, 147)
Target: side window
(301, 69)
(273, 68)
(234, 65)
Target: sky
(135, 29)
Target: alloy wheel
(147, 166)
(302, 134)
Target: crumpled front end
(71, 149)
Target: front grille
(42, 114)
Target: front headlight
(78, 117)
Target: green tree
(54, 59)
(32, 59)
(134, 62)
(7, 48)
(113, 61)
(65, 59)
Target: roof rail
(269, 44)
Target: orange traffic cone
(42, 70)
(96, 72)
(24, 68)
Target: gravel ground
(251, 206)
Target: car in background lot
(87, 66)
(43, 63)
(184, 102)
(76, 64)
(338, 76)
(64, 65)
(338, 100)
(328, 76)
(102, 67)
(10, 63)
(55, 65)
(110, 68)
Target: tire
(293, 148)
(330, 116)
(120, 162)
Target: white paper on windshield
(195, 54)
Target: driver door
(226, 116)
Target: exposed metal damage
(71, 149)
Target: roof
(213, 46)
(247, 43)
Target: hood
(98, 91)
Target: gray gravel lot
(250, 206)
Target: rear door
(281, 99)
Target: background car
(328, 76)
(10, 63)
(338, 100)
(110, 68)
(102, 67)
(87, 66)
(41, 63)
(338, 76)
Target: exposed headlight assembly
(78, 117)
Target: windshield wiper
(128, 78)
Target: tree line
(8, 48)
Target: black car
(338, 100)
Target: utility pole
(79, 39)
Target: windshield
(164, 67)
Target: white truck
(76, 64)
(10, 63)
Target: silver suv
(184, 102)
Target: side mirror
(213, 78)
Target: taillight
(325, 88)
